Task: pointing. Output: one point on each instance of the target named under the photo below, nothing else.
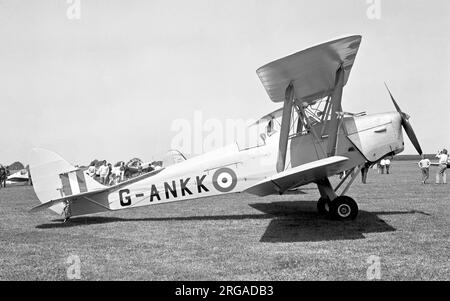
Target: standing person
(91, 169)
(382, 165)
(67, 212)
(108, 175)
(387, 163)
(103, 172)
(122, 171)
(139, 168)
(2, 174)
(115, 174)
(30, 181)
(424, 166)
(443, 160)
(97, 170)
(6, 174)
(364, 171)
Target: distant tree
(16, 166)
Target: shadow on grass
(291, 221)
(93, 220)
(300, 222)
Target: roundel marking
(224, 179)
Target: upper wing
(300, 175)
(312, 71)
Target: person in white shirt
(424, 166)
(122, 171)
(443, 160)
(382, 165)
(387, 164)
(103, 171)
(91, 170)
(115, 174)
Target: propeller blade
(406, 125)
(411, 135)
(393, 100)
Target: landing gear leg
(327, 194)
(337, 207)
(323, 205)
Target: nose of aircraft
(406, 124)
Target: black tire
(323, 205)
(343, 208)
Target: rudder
(54, 178)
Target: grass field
(238, 237)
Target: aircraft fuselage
(232, 169)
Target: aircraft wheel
(343, 208)
(323, 205)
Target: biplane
(308, 140)
(20, 176)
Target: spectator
(364, 171)
(443, 160)
(30, 181)
(3, 176)
(103, 172)
(108, 176)
(115, 174)
(139, 166)
(122, 171)
(382, 165)
(91, 170)
(97, 170)
(387, 164)
(424, 166)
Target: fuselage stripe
(65, 184)
(74, 183)
(81, 181)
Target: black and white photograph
(224, 146)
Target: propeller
(406, 125)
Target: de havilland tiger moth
(308, 140)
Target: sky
(107, 79)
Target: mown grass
(238, 237)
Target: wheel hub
(344, 210)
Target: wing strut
(336, 98)
(285, 127)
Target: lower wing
(297, 176)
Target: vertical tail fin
(54, 178)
